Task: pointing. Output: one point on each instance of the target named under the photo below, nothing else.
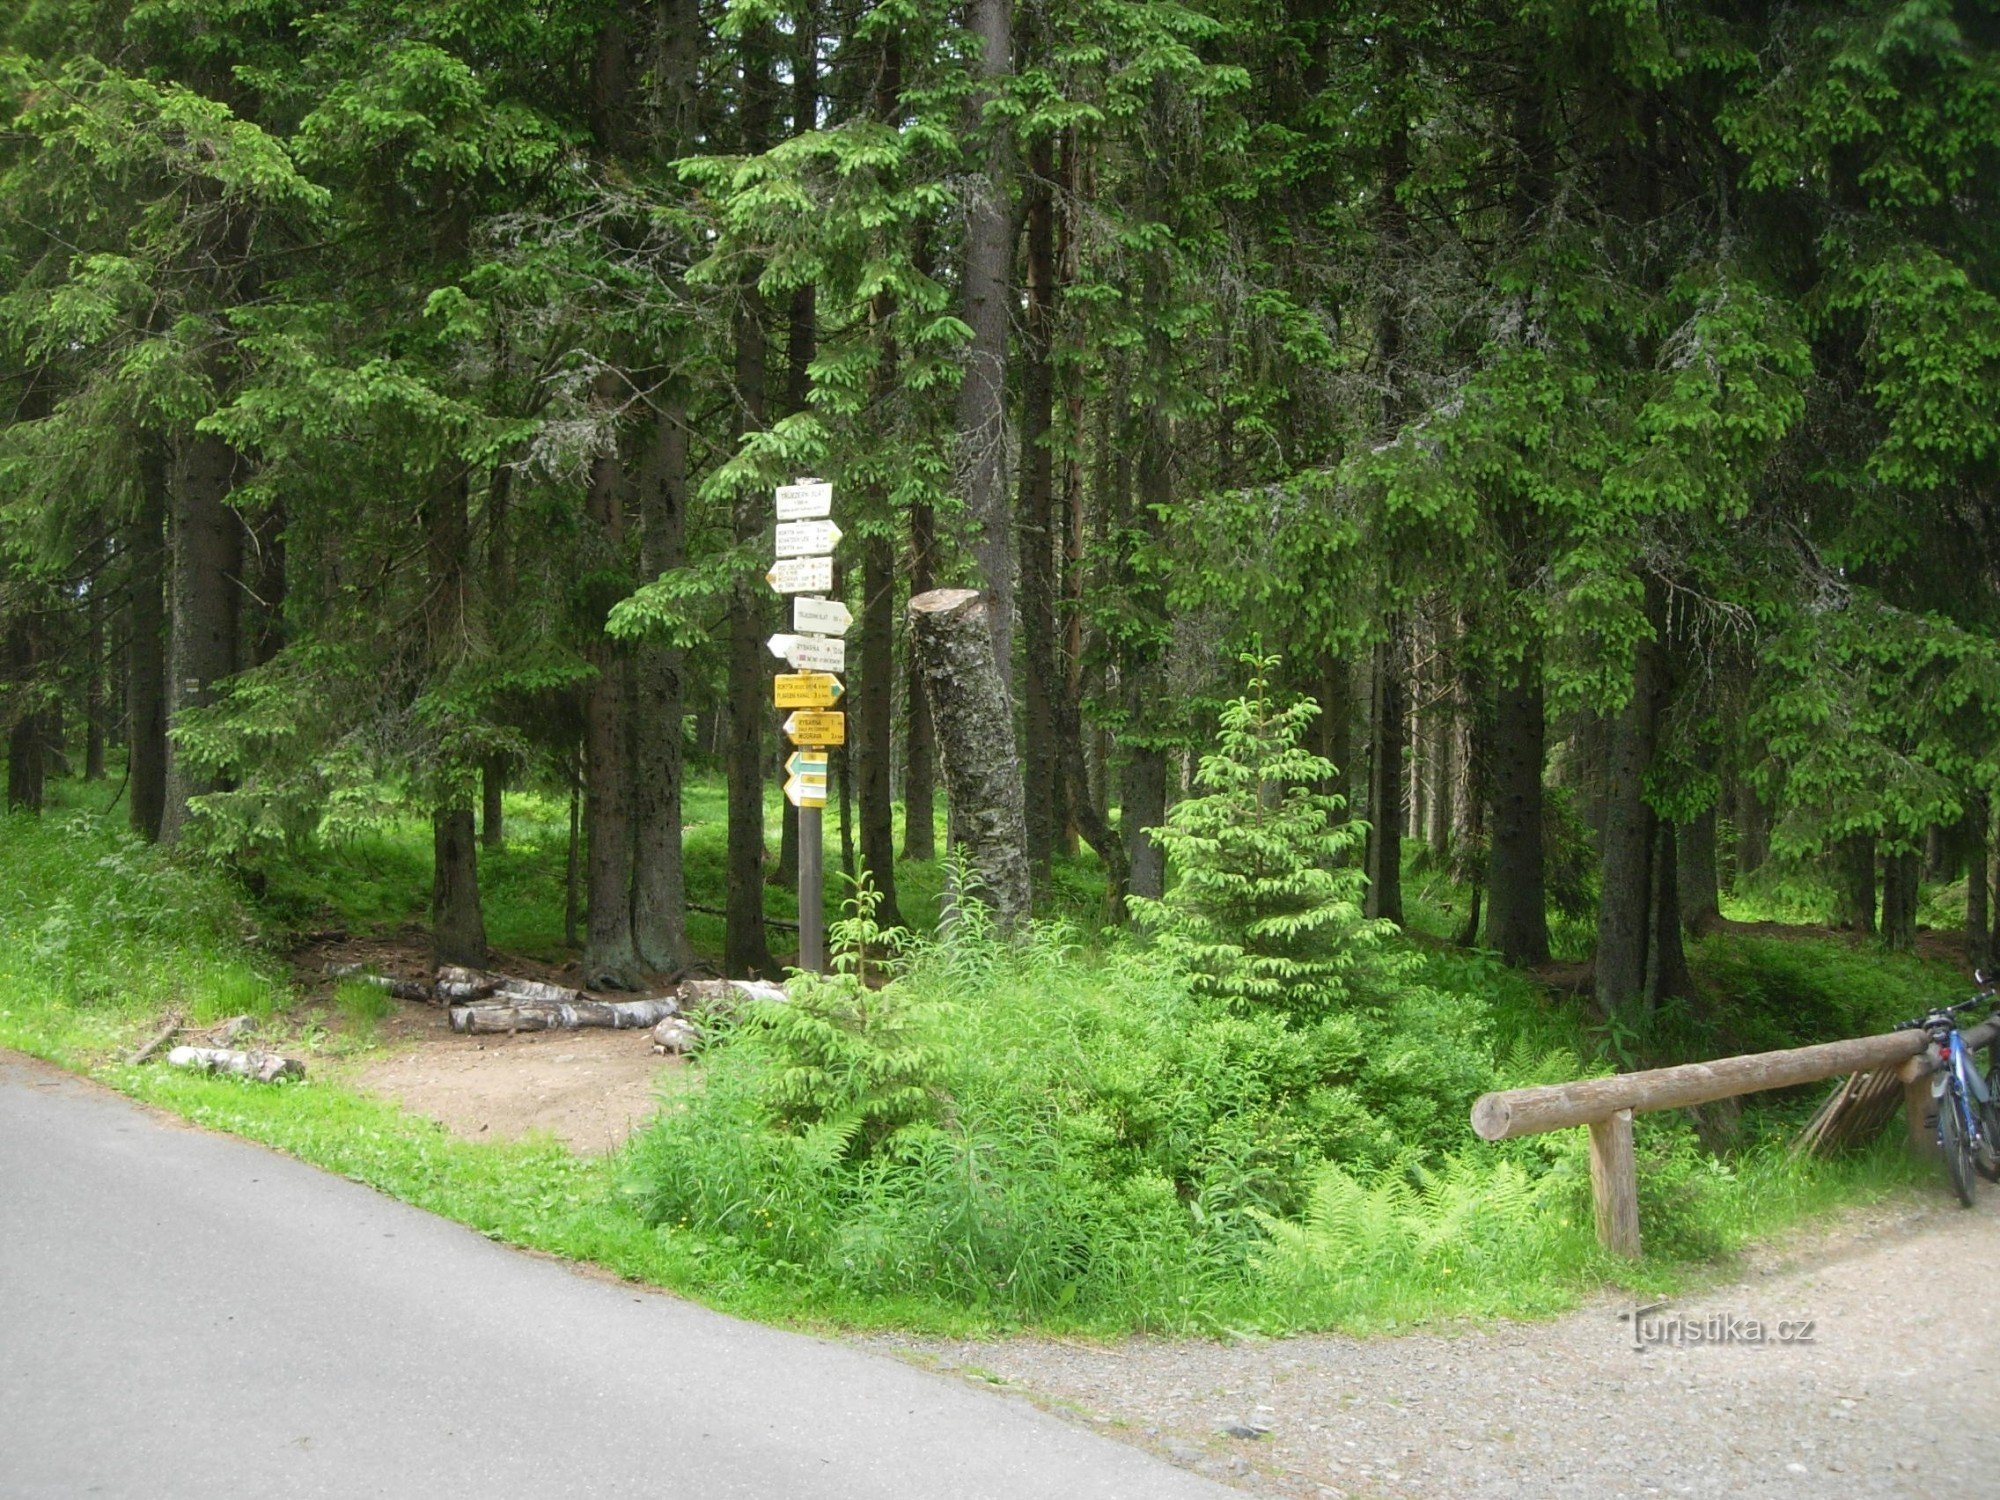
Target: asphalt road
(186, 1314)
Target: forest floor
(589, 1089)
(1895, 1394)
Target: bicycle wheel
(1957, 1149)
(1988, 1157)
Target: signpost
(804, 543)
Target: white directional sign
(805, 501)
(820, 616)
(801, 575)
(806, 791)
(803, 538)
(810, 653)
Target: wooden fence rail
(1607, 1105)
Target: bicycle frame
(1957, 1068)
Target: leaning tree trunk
(951, 638)
(146, 646)
(207, 555)
(1517, 919)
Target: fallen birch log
(506, 1015)
(264, 1067)
(467, 986)
(675, 1035)
(726, 996)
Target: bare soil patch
(589, 1089)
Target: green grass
(99, 936)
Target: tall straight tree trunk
(919, 741)
(207, 557)
(1901, 872)
(458, 926)
(1333, 738)
(1443, 756)
(265, 568)
(93, 678)
(609, 957)
(1978, 889)
(875, 705)
(1753, 829)
(1855, 860)
(1667, 976)
(1142, 794)
(1383, 858)
(26, 765)
(1038, 527)
(659, 877)
(1699, 882)
(146, 645)
(1626, 855)
(746, 948)
(499, 596)
(1517, 921)
(986, 309)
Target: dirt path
(1898, 1393)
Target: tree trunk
(1384, 856)
(919, 743)
(608, 954)
(207, 555)
(659, 877)
(146, 646)
(266, 592)
(492, 806)
(1978, 890)
(951, 638)
(26, 767)
(1753, 829)
(875, 703)
(1038, 527)
(458, 930)
(1900, 874)
(93, 680)
(1697, 878)
(986, 309)
(1517, 920)
(1855, 857)
(1667, 976)
(1333, 738)
(1625, 857)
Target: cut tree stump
(952, 644)
(264, 1067)
(504, 1016)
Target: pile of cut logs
(482, 1003)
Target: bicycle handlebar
(1947, 1012)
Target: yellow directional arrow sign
(807, 763)
(806, 690)
(802, 791)
(807, 728)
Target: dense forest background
(1594, 408)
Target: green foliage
(1265, 906)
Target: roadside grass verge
(100, 936)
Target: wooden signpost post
(804, 543)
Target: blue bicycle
(1968, 1119)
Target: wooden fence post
(1614, 1184)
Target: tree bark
(458, 927)
(265, 567)
(207, 556)
(919, 742)
(1698, 880)
(146, 646)
(875, 703)
(986, 309)
(1038, 527)
(1753, 829)
(1855, 857)
(1978, 889)
(492, 806)
(1383, 860)
(951, 638)
(1517, 921)
(1625, 857)
(1667, 976)
(93, 680)
(1900, 874)
(26, 766)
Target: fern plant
(1265, 909)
